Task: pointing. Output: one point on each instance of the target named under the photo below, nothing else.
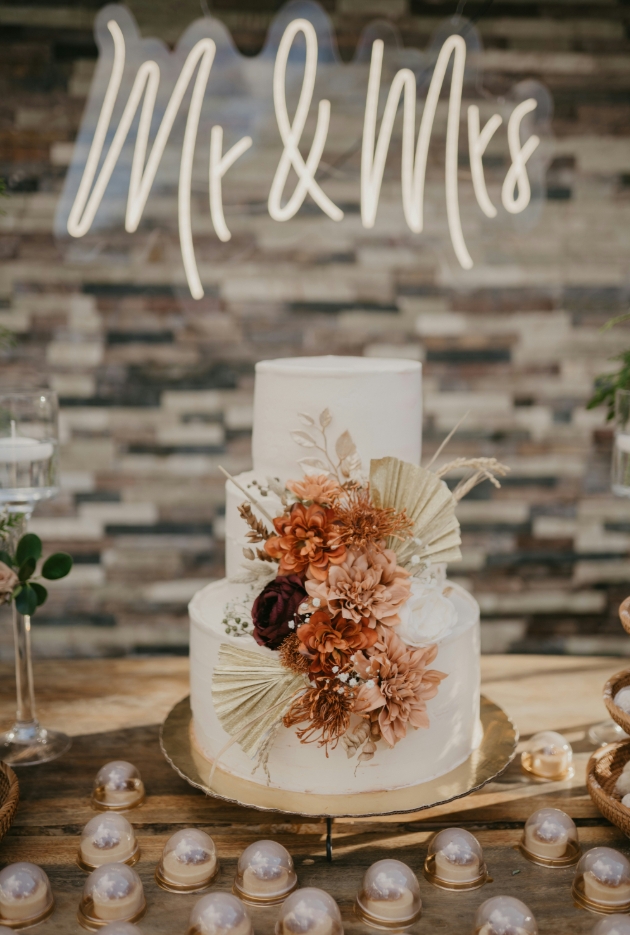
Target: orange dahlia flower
(316, 488)
(307, 540)
(330, 641)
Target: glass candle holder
(309, 911)
(389, 896)
(550, 839)
(117, 787)
(25, 895)
(548, 755)
(613, 925)
(504, 915)
(112, 893)
(107, 839)
(455, 861)
(188, 863)
(219, 914)
(265, 874)
(602, 881)
(119, 928)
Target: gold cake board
(489, 760)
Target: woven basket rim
(613, 685)
(609, 806)
(8, 807)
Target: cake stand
(487, 762)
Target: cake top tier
(378, 400)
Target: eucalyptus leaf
(26, 601)
(29, 546)
(26, 569)
(6, 558)
(57, 566)
(40, 592)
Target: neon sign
(156, 122)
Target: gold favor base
(262, 901)
(430, 875)
(27, 923)
(572, 855)
(386, 925)
(101, 806)
(494, 754)
(170, 887)
(582, 900)
(526, 760)
(92, 924)
(84, 865)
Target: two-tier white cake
(380, 402)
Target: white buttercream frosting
(427, 616)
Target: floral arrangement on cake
(347, 592)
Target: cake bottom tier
(422, 755)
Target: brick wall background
(156, 390)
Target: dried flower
(290, 655)
(327, 711)
(364, 524)
(274, 609)
(402, 684)
(369, 585)
(257, 532)
(316, 488)
(330, 642)
(307, 540)
(8, 581)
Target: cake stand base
(489, 760)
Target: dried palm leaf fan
(429, 505)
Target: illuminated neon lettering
(219, 164)
(477, 145)
(517, 173)
(413, 171)
(290, 133)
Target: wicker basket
(613, 685)
(602, 773)
(9, 797)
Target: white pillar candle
(21, 449)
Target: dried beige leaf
(314, 463)
(304, 440)
(344, 446)
(325, 418)
(305, 419)
(249, 554)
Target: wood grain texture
(113, 708)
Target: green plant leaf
(26, 569)
(57, 566)
(6, 558)
(29, 546)
(40, 592)
(26, 601)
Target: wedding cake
(336, 657)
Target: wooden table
(113, 708)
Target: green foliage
(8, 522)
(29, 594)
(57, 566)
(607, 385)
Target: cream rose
(8, 581)
(427, 616)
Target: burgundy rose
(275, 607)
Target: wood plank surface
(113, 709)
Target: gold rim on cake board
(494, 754)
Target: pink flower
(401, 685)
(368, 585)
(8, 581)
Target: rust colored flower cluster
(329, 642)
(307, 540)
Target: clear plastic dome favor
(455, 861)
(188, 863)
(25, 895)
(504, 915)
(613, 925)
(107, 839)
(602, 880)
(309, 911)
(550, 838)
(112, 893)
(265, 873)
(117, 786)
(219, 914)
(389, 895)
(548, 755)
(118, 928)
